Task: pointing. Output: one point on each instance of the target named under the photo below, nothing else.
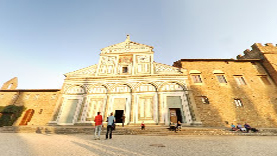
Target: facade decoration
(126, 81)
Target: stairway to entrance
(134, 130)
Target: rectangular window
(238, 102)
(240, 80)
(124, 69)
(221, 78)
(196, 78)
(265, 80)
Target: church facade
(127, 82)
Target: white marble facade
(127, 79)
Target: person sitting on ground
(142, 125)
(239, 126)
(248, 128)
(178, 126)
(233, 127)
(172, 126)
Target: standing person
(110, 120)
(98, 125)
(123, 120)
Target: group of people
(173, 127)
(246, 128)
(99, 124)
(110, 127)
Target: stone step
(157, 131)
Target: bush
(10, 114)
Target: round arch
(76, 89)
(97, 88)
(146, 86)
(172, 85)
(121, 87)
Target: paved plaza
(31, 144)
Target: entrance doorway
(175, 115)
(118, 116)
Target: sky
(42, 40)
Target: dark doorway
(179, 115)
(118, 116)
(175, 115)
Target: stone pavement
(32, 144)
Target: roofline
(130, 42)
(234, 60)
(30, 90)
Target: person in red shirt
(142, 126)
(98, 126)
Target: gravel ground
(30, 144)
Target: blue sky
(42, 40)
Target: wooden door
(173, 115)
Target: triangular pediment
(160, 68)
(127, 46)
(88, 71)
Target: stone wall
(258, 99)
(267, 53)
(41, 101)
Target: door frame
(127, 105)
(185, 112)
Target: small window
(205, 100)
(240, 80)
(265, 80)
(196, 78)
(238, 102)
(124, 69)
(221, 78)
(40, 111)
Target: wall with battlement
(267, 53)
(215, 101)
(42, 101)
